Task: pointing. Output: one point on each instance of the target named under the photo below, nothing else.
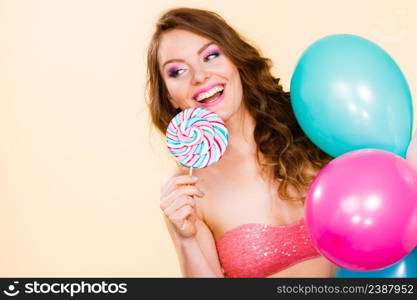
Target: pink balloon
(361, 210)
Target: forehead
(178, 43)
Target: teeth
(209, 93)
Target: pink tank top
(260, 250)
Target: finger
(180, 215)
(178, 181)
(189, 220)
(188, 190)
(178, 203)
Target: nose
(200, 75)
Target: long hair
(288, 156)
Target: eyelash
(214, 52)
(175, 73)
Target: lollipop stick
(190, 172)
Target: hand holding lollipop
(197, 138)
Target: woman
(243, 216)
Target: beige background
(79, 168)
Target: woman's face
(197, 74)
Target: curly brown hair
(288, 156)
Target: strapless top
(260, 250)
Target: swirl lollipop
(197, 138)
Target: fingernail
(195, 178)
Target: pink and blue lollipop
(197, 137)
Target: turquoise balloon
(405, 268)
(347, 94)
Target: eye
(211, 55)
(175, 72)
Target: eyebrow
(181, 60)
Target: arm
(193, 241)
(197, 255)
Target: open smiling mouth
(211, 95)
